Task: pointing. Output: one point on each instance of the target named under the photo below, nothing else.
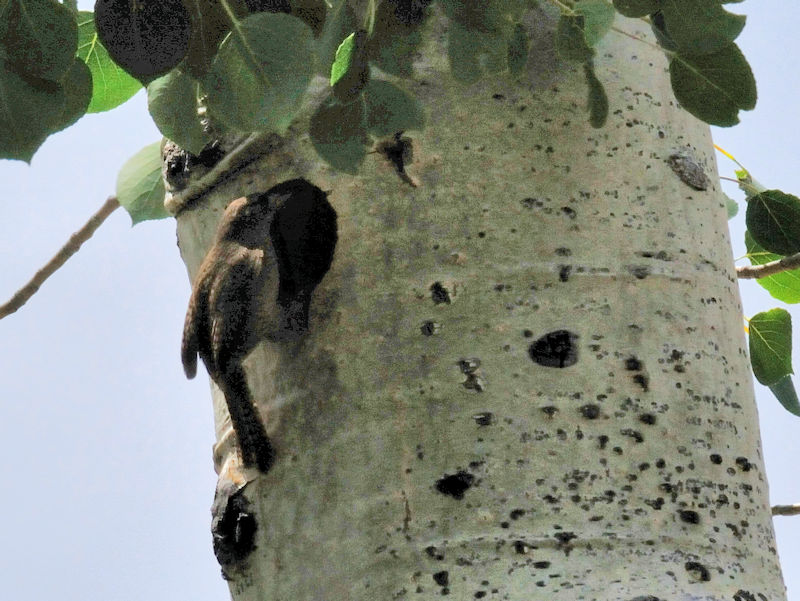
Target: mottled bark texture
(525, 378)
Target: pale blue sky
(102, 500)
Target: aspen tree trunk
(526, 378)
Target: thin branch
(767, 269)
(70, 248)
(786, 509)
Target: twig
(767, 269)
(70, 248)
(786, 509)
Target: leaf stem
(642, 40)
(749, 189)
(369, 18)
(245, 50)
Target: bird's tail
(189, 344)
(247, 423)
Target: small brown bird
(270, 252)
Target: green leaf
(732, 206)
(397, 35)
(39, 36)
(598, 101)
(598, 16)
(172, 102)
(312, 12)
(29, 112)
(261, 71)
(570, 39)
(140, 188)
(210, 23)
(785, 286)
(784, 391)
(700, 26)
(485, 16)
(714, 87)
(350, 70)
(636, 8)
(111, 86)
(343, 59)
(462, 54)
(147, 39)
(390, 109)
(519, 45)
(773, 219)
(339, 21)
(339, 135)
(77, 85)
(659, 27)
(771, 345)
(471, 53)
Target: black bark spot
(469, 367)
(485, 418)
(689, 516)
(456, 484)
(439, 294)
(640, 272)
(429, 328)
(633, 364)
(699, 571)
(555, 349)
(636, 435)
(442, 578)
(530, 203)
(565, 537)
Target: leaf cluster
(44, 87)
(773, 233)
(710, 76)
(216, 66)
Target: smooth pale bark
(635, 473)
